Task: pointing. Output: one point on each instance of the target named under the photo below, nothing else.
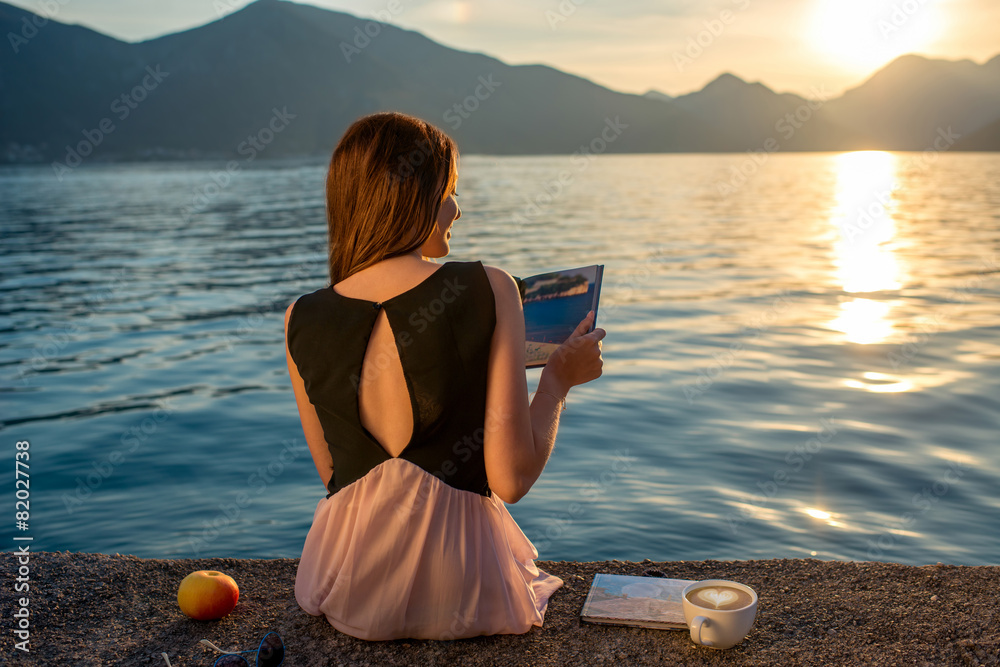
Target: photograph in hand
(554, 305)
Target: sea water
(802, 358)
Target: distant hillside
(905, 104)
(984, 139)
(657, 95)
(297, 75)
(755, 113)
(222, 81)
(62, 78)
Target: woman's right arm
(518, 441)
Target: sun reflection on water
(865, 256)
(864, 321)
(880, 383)
(828, 518)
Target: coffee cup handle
(696, 624)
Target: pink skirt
(400, 554)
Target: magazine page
(554, 303)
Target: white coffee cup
(719, 628)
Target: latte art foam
(720, 597)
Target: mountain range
(281, 79)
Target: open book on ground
(554, 303)
(648, 602)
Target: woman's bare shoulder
(499, 277)
(503, 284)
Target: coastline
(99, 609)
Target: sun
(462, 11)
(863, 35)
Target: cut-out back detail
(376, 366)
(442, 328)
(393, 364)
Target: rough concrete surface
(99, 609)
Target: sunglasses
(270, 653)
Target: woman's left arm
(311, 427)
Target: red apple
(207, 595)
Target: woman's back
(383, 397)
(424, 383)
(410, 543)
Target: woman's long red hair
(388, 177)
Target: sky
(674, 46)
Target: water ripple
(784, 376)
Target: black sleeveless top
(443, 328)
